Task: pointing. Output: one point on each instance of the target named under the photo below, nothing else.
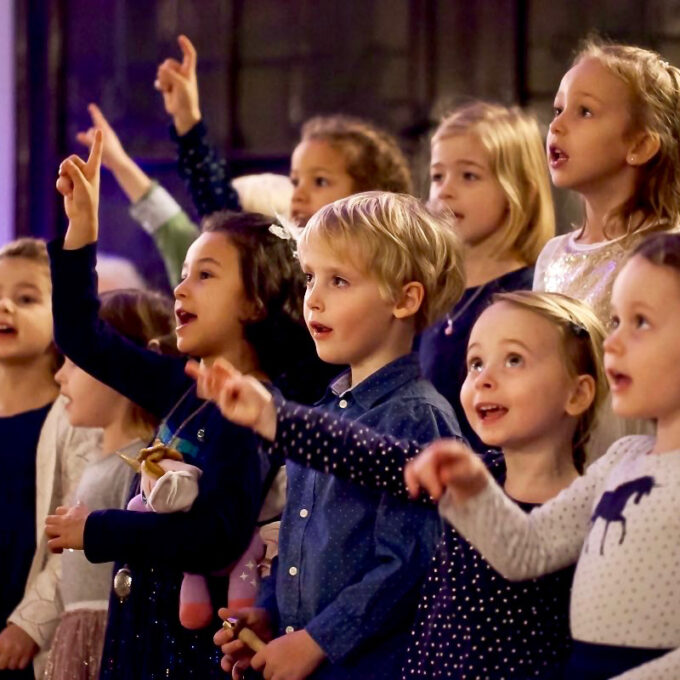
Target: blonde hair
(517, 158)
(399, 240)
(582, 334)
(654, 86)
(373, 157)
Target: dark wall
(267, 65)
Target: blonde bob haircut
(517, 159)
(654, 86)
(397, 240)
(582, 334)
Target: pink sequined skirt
(76, 652)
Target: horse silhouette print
(611, 505)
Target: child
(619, 521)
(337, 155)
(84, 587)
(240, 288)
(471, 623)
(615, 140)
(489, 174)
(42, 464)
(379, 268)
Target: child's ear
(582, 395)
(412, 295)
(644, 147)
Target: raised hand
(113, 153)
(447, 463)
(178, 84)
(241, 398)
(78, 183)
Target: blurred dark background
(267, 65)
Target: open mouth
(7, 330)
(556, 157)
(318, 330)
(184, 317)
(490, 412)
(618, 381)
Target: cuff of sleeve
(337, 633)
(94, 539)
(196, 134)
(155, 209)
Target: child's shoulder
(624, 449)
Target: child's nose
(485, 379)
(612, 343)
(300, 193)
(313, 298)
(7, 305)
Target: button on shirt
(351, 560)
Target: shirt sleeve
(666, 667)
(206, 175)
(212, 534)
(170, 227)
(345, 448)
(522, 546)
(153, 381)
(405, 538)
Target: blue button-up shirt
(351, 560)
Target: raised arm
(149, 379)
(153, 207)
(206, 175)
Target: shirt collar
(377, 385)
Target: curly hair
(374, 159)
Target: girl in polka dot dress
(619, 522)
(534, 384)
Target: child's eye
(614, 323)
(26, 299)
(321, 182)
(513, 360)
(309, 278)
(475, 365)
(470, 176)
(294, 181)
(641, 321)
(557, 110)
(204, 274)
(585, 112)
(339, 282)
(436, 177)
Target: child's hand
(447, 463)
(78, 183)
(177, 83)
(293, 656)
(66, 529)
(113, 153)
(237, 654)
(241, 398)
(17, 648)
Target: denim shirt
(351, 560)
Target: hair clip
(280, 232)
(664, 63)
(578, 330)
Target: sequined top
(585, 271)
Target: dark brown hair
(374, 159)
(274, 283)
(660, 249)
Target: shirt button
(290, 629)
(342, 403)
(304, 512)
(293, 571)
